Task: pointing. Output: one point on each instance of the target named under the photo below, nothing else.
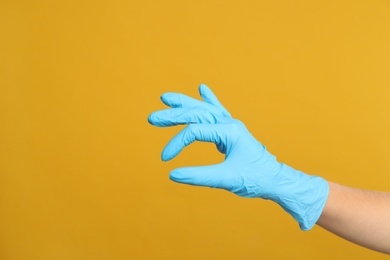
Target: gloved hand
(248, 170)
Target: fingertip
(155, 120)
(203, 89)
(151, 119)
(164, 157)
(165, 98)
(195, 176)
(176, 176)
(168, 153)
(208, 95)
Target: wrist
(303, 196)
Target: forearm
(360, 216)
(250, 171)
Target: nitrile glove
(248, 170)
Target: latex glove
(248, 170)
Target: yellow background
(81, 176)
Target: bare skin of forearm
(360, 216)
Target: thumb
(207, 176)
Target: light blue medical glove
(248, 170)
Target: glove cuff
(304, 197)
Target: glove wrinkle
(248, 170)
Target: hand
(249, 170)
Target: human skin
(360, 216)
